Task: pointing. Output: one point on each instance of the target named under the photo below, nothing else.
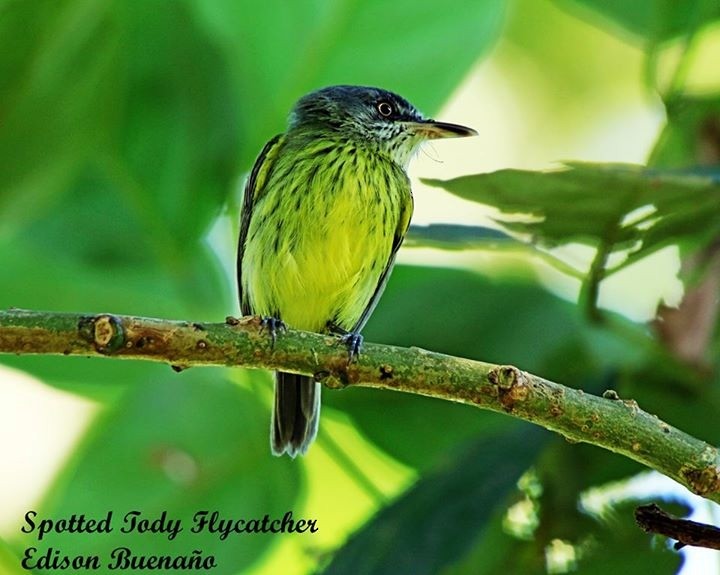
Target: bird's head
(372, 117)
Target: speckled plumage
(326, 208)
(325, 229)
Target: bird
(326, 207)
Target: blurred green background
(126, 129)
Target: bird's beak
(432, 130)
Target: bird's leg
(273, 325)
(353, 340)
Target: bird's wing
(401, 230)
(253, 191)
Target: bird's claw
(354, 342)
(273, 325)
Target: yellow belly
(333, 273)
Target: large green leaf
(282, 50)
(654, 20)
(458, 312)
(562, 473)
(619, 546)
(691, 136)
(142, 113)
(187, 443)
(618, 209)
(687, 399)
(55, 57)
(39, 279)
(178, 137)
(612, 544)
(434, 524)
(194, 284)
(455, 237)
(497, 551)
(9, 561)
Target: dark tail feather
(295, 415)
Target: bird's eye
(385, 109)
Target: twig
(652, 519)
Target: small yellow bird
(326, 207)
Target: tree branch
(608, 422)
(652, 519)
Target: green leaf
(55, 56)
(458, 312)
(434, 524)
(565, 472)
(455, 237)
(575, 468)
(36, 278)
(619, 546)
(497, 551)
(9, 561)
(179, 136)
(182, 444)
(690, 137)
(120, 121)
(284, 49)
(688, 399)
(617, 208)
(655, 20)
(411, 434)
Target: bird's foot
(354, 342)
(273, 325)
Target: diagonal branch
(608, 422)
